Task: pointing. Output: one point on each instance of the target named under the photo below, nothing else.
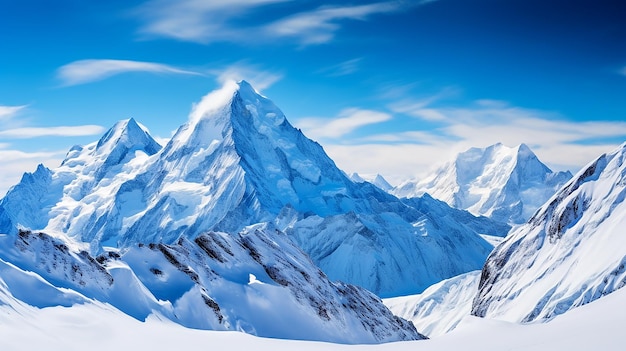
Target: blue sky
(388, 87)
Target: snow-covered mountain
(571, 252)
(377, 180)
(503, 183)
(255, 282)
(235, 163)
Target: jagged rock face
(570, 252)
(253, 282)
(505, 184)
(238, 162)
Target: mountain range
(235, 163)
(239, 222)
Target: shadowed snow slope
(238, 162)
(505, 184)
(571, 252)
(98, 327)
(251, 282)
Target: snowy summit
(507, 184)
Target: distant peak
(523, 148)
(130, 132)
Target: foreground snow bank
(101, 327)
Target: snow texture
(441, 307)
(96, 326)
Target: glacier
(507, 184)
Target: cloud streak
(558, 142)
(319, 26)
(8, 112)
(61, 131)
(348, 120)
(196, 21)
(343, 68)
(87, 71)
(217, 21)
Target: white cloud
(347, 121)
(258, 78)
(421, 108)
(216, 21)
(197, 21)
(61, 131)
(8, 112)
(560, 143)
(343, 68)
(86, 71)
(319, 26)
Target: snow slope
(571, 252)
(253, 282)
(503, 183)
(596, 326)
(238, 162)
(441, 307)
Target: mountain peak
(131, 134)
(246, 88)
(117, 146)
(495, 181)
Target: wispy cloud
(347, 121)
(422, 108)
(8, 112)
(87, 71)
(559, 142)
(197, 21)
(260, 79)
(61, 131)
(343, 68)
(217, 21)
(319, 26)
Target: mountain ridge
(237, 162)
